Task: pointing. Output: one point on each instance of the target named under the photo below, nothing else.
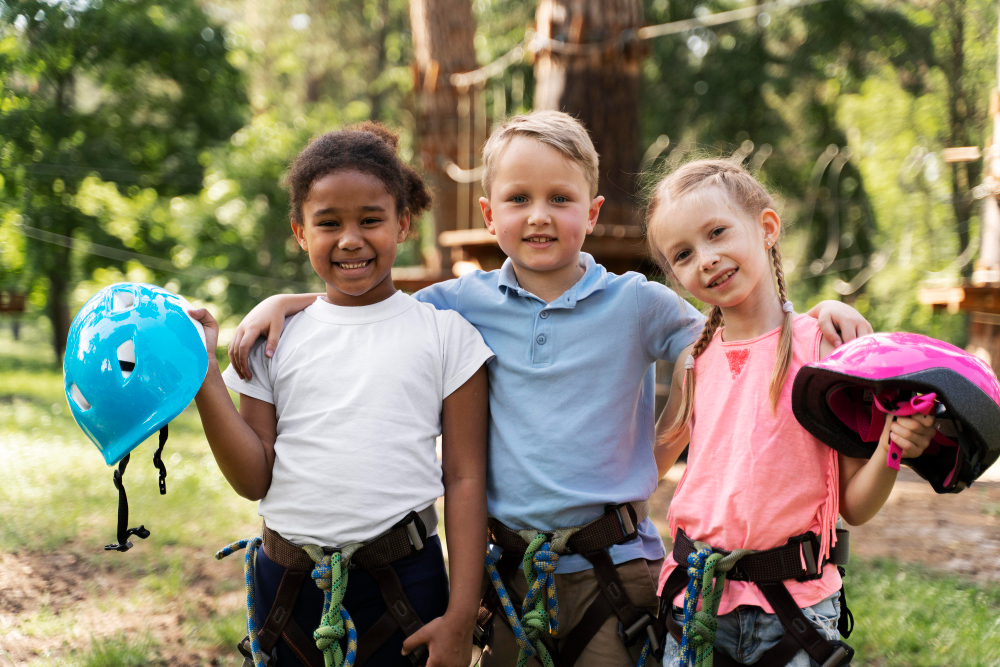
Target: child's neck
(755, 316)
(549, 285)
(380, 292)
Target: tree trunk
(598, 86)
(59, 310)
(443, 32)
(966, 175)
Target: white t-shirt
(358, 394)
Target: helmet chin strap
(124, 532)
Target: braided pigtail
(687, 395)
(783, 359)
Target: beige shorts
(576, 591)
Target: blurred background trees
(155, 133)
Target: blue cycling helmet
(134, 360)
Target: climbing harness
(843, 401)
(134, 360)
(335, 642)
(705, 578)
(537, 553)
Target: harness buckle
(809, 544)
(639, 629)
(627, 517)
(841, 656)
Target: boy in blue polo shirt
(571, 400)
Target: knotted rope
(251, 545)
(707, 578)
(330, 575)
(539, 613)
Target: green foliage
(878, 86)
(119, 91)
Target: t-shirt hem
(241, 386)
(459, 378)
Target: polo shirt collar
(594, 279)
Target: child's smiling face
(713, 248)
(540, 207)
(350, 229)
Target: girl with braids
(335, 435)
(754, 476)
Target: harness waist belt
(777, 564)
(398, 542)
(619, 524)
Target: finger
(910, 449)
(234, 355)
(421, 636)
(273, 334)
(912, 430)
(848, 331)
(245, 344)
(234, 359)
(830, 332)
(925, 420)
(865, 328)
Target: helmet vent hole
(126, 358)
(122, 301)
(78, 398)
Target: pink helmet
(843, 400)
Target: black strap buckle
(810, 552)
(244, 648)
(415, 530)
(644, 628)
(628, 519)
(841, 656)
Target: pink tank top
(755, 477)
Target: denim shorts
(747, 632)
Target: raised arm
(242, 442)
(464, 419)
(266, 319)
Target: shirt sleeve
(443, 295)
(258, 386)
(667, 322)
(462, 350)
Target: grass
(908, 616)
(57, 498)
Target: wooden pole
(988, 264)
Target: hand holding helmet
(844, 399)
(134, 360)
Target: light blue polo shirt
(571, 394)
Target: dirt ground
(957, 534)
(57, 591)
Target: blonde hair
(746, 193)
(553, 128)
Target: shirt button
(540, 340)
(544, 314)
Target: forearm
(237, 449)
(293, 303)
(465, 529)
(866, 492)
(667, 451)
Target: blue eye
(560, 199)
(717, 231)
(682, 255)
(519, 199)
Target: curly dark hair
(367, 147)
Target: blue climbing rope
(251, 545)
